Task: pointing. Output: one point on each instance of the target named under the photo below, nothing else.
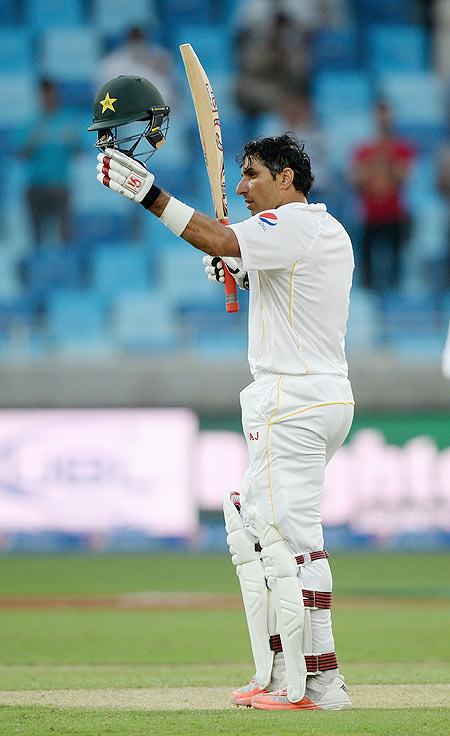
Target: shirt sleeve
(270, 240)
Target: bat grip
(231, 296)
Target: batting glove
(123, 174)
(214, 270)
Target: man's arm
(203, 232)
(132, 180)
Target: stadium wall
(380, 383)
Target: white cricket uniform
(299, 409)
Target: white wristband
(176, 215)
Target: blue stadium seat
(412, 315)
(211, 328)
(43, 14)
(119, 268)
(175, 14)
(427, 137)
(237, 210)
(415, 97)
(9, 12)
(344, 133)
(335, 48)
(18, 313)
(10, 284)
(88, 195)
(183, 276)
(445, 304)
(69, 54)
(385, 11)
(217, 345)
(114, 16)
(363, 329)
(341, 92)
(76, 316)
(101, 227)
(145, 322)
(52, 267)
(18, 93)
(15, 50)
(396, 49)
(78, 94)
(213, 46)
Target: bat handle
(231, 296)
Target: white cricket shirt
(300, 263)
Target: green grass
(371, 573)
(87, 677)
(379, 641)
(391, 633)
(40, 721)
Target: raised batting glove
(214, 270)
(123, 174)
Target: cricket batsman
(297, 262)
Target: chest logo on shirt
(253, 437)
(268, 218)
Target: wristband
(152, 194)
(176, 215)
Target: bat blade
(210, 132)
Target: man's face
(258, 187)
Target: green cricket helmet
(129, 114)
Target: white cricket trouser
(293, 425)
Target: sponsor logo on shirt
(268, 218)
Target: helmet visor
(133, 140)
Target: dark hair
(281, 152)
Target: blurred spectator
(47, 144)
(441, 38)
(310, 14)
(296, 116)
(272, 60)
(379, 171)
(139, 57)
(443, 183)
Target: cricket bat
(211, 139)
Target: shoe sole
(246, 700)
(336, 706)
(304, 704)
(282, 706)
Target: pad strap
(315, 663)
(320, 554)
(317, 599)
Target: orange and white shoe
(279, 700)
(244, 695)
(330, 696)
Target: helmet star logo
(108, 103)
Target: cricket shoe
(318, 696)
(328, 694)
(244, 695)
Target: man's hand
(124, 175)
(214, 270)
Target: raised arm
(131, 179)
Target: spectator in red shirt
(379, 171)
